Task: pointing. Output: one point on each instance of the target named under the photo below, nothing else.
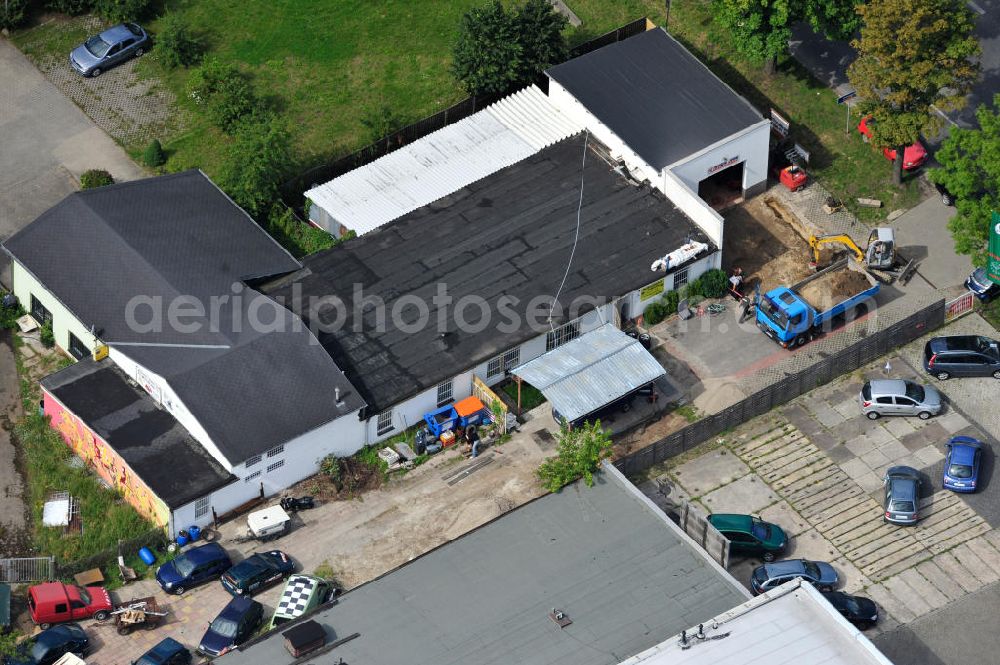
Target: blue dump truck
(792, 316)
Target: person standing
(736, 283)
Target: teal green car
(750, 536)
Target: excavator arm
(846, 240)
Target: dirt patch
(826, 291)
(355, 479)
(768, 242)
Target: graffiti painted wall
(106, 462)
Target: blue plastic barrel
(147, 556)
(182, 539)
(193, 532)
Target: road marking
(976, 8)
(942, 114)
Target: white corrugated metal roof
(444, 161)
(591, 371)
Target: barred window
(445, 393)
(503, 362)
(277, 450)
(253, 476)
(277, 465)
(561, 335)
(680, 278)
(253, 460)
(384, 423)
(201, 506)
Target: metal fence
(293, 189)
(28, 569)
(848, 359)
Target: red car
(914, 155)
(55, 602)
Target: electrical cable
(576, 238)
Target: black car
(234, 625)
(962, 355)
(51, 645)
(167, 652)
(860, 611)
(257, 572)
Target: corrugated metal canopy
(443, 162)
(591, 371)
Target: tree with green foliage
(95, 178)
(970, 170)
(500, 49)
(914, 56)
(258, 160)
(579, 455)
(153, 156)
(12, 13)
(761, 28)
(118, 11)
(71, 7)
(176, 46)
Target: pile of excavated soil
(826, 291)
(768, 242)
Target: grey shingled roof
(656, 96)
(602, 555)
(508, 234)
(154, 445)
(179, 235)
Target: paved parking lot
(815, 467)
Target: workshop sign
(725, 163)
(993, 264)
(651, 291)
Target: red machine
(793, 177)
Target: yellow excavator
(880, 256)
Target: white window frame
(384, 423)
(275, 466)
(253, 476)
(503, 362)
(445, 393)
(277, 450)
(253, 460)
(562, 334)
(202, 506)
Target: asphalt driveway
(47, 143)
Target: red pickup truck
(55, 602)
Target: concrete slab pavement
(47, 143)
(922, 232)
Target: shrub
(654, 313)
(12, 13)
(579, 456)
(257, 162)
(154, 156)
(117, 11)
(72, 7)
(95, 178)
(693, 289)
(232, 101)
(46, 336)
(714, 283)
(670, 300)
(205, 80)
(380, 121)
(175, 44)
(298, 237)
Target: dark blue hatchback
(234, 625)
(961, 466)
(197, 565)
(257, 571)
(168, 652)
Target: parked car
(235, 624)
(257, 572)
(902, 495)
(962, 355)
(914, 155)
(981, 286)
(860, 611)
(111, 47)
(55, 602)
(51, 645)
(167, 652)
(895, 397)
(947, 197)
(770, 575)
(197, 565)
(302, 593)
(961, 465)
(750, 536)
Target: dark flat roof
(250, 384)
(601, 554)
(656, 96)
(510, 234)
(156, 447)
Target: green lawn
(530, 395)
